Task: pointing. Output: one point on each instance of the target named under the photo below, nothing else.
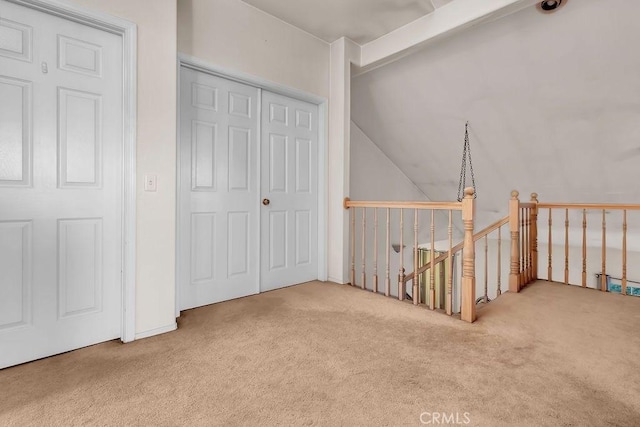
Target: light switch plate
(150, 182)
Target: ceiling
(553, 103)
(360, 20)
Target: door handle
(266, 202)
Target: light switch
(150, 182)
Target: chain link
(463, 170)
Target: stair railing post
(514, 227)
(534, 237)
(468, 297)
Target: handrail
(527, 205)
(587, 206)
(604, 207)
(479, 235)
(456, 206)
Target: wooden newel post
(534, 237)
(514, 227)
(468, 303)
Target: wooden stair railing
(523, 222)
(483, 234)
(467, 209)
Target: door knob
(266, 202)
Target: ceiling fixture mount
(549, 6)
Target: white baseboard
(157, 331)
(334, 280)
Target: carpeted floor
(325, 354)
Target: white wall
(374, 176)
(551, 100)
(237, 36)
(156, 154)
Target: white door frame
(128, 31)
(323, 130)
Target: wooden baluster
(449, 302)
(432, 270)
(549, 267)
(624, 253)
(364, 248)
(584, 248)
(468, 297)
(415, 292)
(486, 270)
(375, 250)
(387, 284)
(603, 278)
(527, 245)
(468, 292)
(514, 274)
(566, 246)
(534, 237)
(353, 247)
(441, 280)
(499, 261)
(401, 285)
(523, 253)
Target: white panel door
(289, 183)
(61, 149)
(219, 197)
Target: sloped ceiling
(359, 20)
(553, 103)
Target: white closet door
(289, 182)
(219, 195)
(61, 149)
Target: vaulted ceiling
(552, 100)
(360, 20)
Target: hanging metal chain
(463, 170)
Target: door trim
(128, 31)
(197, 64)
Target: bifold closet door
(61, 156)
(289, 182)
(219, 196)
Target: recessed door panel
(204, 97)
(278, 114)
(79, 266)
(240, 105)
(16, 265)
(15, 132)
(203, 165)
(303, 237)
(78, 56)
(239, 159)
(278, 163)
(238, 243)
(277, 239)
(15, 40)
(303, 119)
(203, 252)
(304, 149)
(80, 145)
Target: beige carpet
(325, 354)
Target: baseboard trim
(157, 331)
(334, 280)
